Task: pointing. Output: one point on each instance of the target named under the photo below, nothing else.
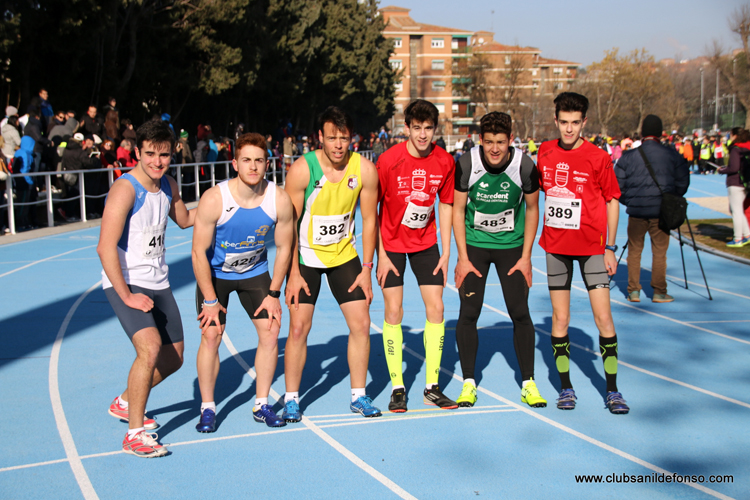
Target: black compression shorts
(422, 263)
(340, 278)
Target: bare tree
(470, 79)
(604, 83)
(736, 68)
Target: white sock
(208, 406)
(291, 395)
(429, 386)
(260, 402)
(122, 402)
(523, 384)
(396, 387)
(133, 432)
(358, 393)
(470, 381)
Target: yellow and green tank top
(326, 225)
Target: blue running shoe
(292, 412)
(266, 414)
(208, 421)
(363, 406)
(567, 400)
(616, 404)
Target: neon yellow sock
(393, 339)
(434, 335)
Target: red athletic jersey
(406, 192)
(577, 185)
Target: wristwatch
(274, 293)
(611, 247)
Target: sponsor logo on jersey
(435, 176)
(581, 180)
(402, 185)
(505, 185)
(399, 193)
(576, 172)
(229, 209)
(262, 230)
(435, 182)
(483, 185)
(500, 197)
(249, 242)
(317, 185)
(352, 182)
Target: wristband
(210, 303)
(611, 247)
(274, 293)
(368, 265)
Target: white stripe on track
(54, 393)
(44, 260)
(639, 309)
(570, 431)
(322, 435)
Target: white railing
(275, 172)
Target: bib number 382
(153, 241)
(417, 217)
(562, 213)
(330, 229)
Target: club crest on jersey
(418, 179)
(262, 230)
(505, 185)
(352, 182)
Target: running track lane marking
(43, 260)
(623, 363)
(570, 431)
(54, 393)
(690, 325)
(322, 434)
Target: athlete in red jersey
(581, 211)
(410, 176)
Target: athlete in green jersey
(495, 218)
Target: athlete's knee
(298, 331)
(393, 316)
(604, 322)
(561, 319)
(434, 312)
(211, 338)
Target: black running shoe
(398, 401)
(436, 398)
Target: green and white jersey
(495, 209)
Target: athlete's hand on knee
(139, 301)
(384, 267)
(210, 315)
(364, 281)
(443, 264)
(273, 307)
(294, 284)
(463, 268)
(523, 265)
(610, 262)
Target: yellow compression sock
(434, 335)
(393, 339)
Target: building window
(440, 107)
(396, 43)
(557, 71)
(454, 108)
(396, 64)
(438, 64)
(438, 43)
(507, 60)
(533, 72)
(399, 86)
(454, 44)
(438, 85)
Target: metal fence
(202, 176)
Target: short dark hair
(742, 136)
(155, 132)
(336, 116)
(496, 123)
(571, 102)
(421, 111)
(13, 120)
(251, 139)
(735, 131)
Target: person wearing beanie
(642, 197)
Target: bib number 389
(330, 229)
(417, 217)
(562, 213)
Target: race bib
(562, 213)
(330, 229)
(241, 262)
(153, 241)
(495, 223)
(417, 217)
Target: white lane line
(322, 435)
(570, 431)
(724, 321)
(645, 311)
(44, 260)
(634, 367)
(54, 393)
(37, 464)
(713, 195)
(679, 280)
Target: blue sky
(581, 31)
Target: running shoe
(143, 445)
(207, 422)
(118, 411)
(436, 398)
(746, 241)
(291, 412)
(468, 396)
(398, 401)
(735, 244)
(634, 296)
(363, 406)
(567, 400)
(266, 414)
(530, 395)
(616, 404)
(661, 298)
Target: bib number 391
(417, 217)
(153, 241)
(562, 213)
(330, 229)
(494, 223)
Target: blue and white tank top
(141, 246)
(239, 249)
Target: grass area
(715, 233)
